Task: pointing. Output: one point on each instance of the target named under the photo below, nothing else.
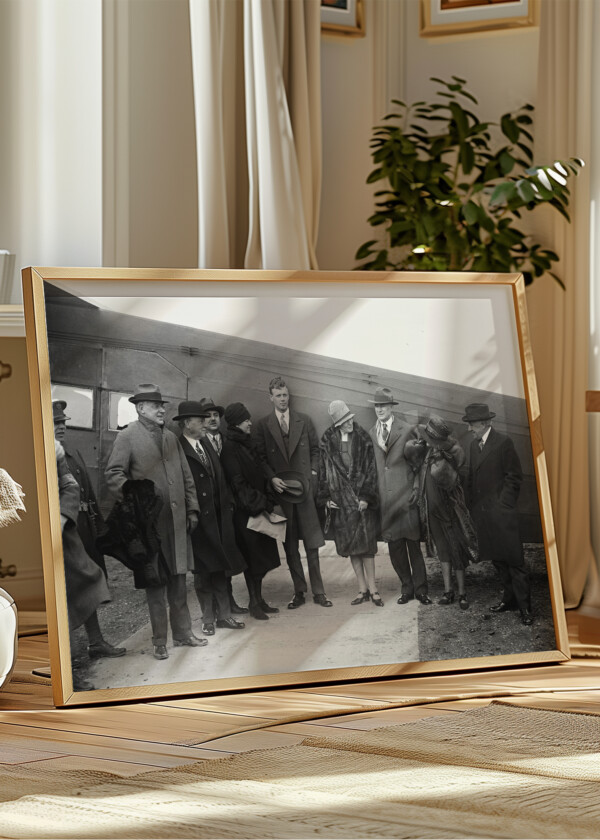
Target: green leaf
(525, 190)
(470, 213)
(509, 128)
(467, 157)
(365, 250)
(503, 193)
(507, 162)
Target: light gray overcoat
(395, 479)
(136, 455)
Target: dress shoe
(526, 617)
(404, 598)
(231, 623)
(237, 610)
(376, 598)
(208, 628)
(268, 608)
(463, 602)
(257, 612)
(297, 601)
(322, 601)
(503, 606)
(160, 652)
(104, 648)
(191, 641)
(447, 598)
(424, 599)
(362, 597)
(80, 683)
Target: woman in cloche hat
(437, 458)
(348, 489)
(252, 495)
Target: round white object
(8, 636)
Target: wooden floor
(132, 738)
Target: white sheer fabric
(256, 69)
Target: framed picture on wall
(458, 17)
(260, 478)
(343, 17)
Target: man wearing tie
(216, 555)
(286, 440)
(492, 489)
(400, 526)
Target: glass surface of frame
(463, 17)
(403, 534)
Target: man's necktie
(284, 426)
(216, 442)
(385, 432)
(203, 456)
(481, 445)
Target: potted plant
(456, 188)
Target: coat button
(174, 504)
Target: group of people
(211, 500)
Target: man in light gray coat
(145, 449)
(400, 526)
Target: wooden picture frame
(459, 17)
(343, 17)
(439, 341)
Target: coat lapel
(490, 445)
(275, 429)
(296, 426)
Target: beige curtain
(560, 319)
(256, 70)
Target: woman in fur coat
(348, 490)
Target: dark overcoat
(301, 455)
(245, 474)
(84, 580)
(213, 541)
(90, 522)
(395, 481)
(136, 454)
(492, 490)
(355, 533)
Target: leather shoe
(322, 601)
(503, 606)
(208, 628)
(362, 597)
(297, 601)
(191, 641)
(268, 608)
(231, 623)
(404, 598)
(80, 683)
(237, 610)
(160, 652)
(104, 648)
(377, 599)
(526, 617)
(424, 599)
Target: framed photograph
(261, 478)
(458, 17)
(343, 17)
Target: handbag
(272, 524)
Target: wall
(501, 69)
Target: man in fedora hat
(216, 555)
(400, 526)
(287, 440)
(492, 489)
(145, 449)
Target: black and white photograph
(271, 482)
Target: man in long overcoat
(216, 555)
(145, 449)
(287, 440)
(400, 526)
(492, 489)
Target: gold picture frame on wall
(441, 351)
(343, 17)
(460, 17)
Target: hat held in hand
(296, 486)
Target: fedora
(58, 411)
(339, 412)
(191, 408)
(477, 411)
(436, 431)
(208, 404)
(147, 393)
(296, 487)
(384, 396)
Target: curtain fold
(560, 319)
(256, 70)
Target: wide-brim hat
(297, 487)
(58, 411)
(339, 412)
(147, 393)
(384, 396)
(436, 431)
(208, 404)
(191, 408)
(476, 412)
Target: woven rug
(500, 771)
